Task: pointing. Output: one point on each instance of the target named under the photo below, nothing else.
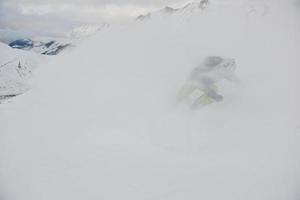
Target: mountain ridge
(168, 10)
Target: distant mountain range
(168, 10)
(54, 46)
(51, 47)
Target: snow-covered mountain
(86, 31)
(18, 62)
(53, 46)
(16, 68)
(186, 10)
(102, 122)
(48, 47)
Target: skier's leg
(186, 90)
(203, 100)
(211, 92)
(206, 99)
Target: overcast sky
(58, 15)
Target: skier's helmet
(212, 61)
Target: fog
(56, 17)
(102, 121)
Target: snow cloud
(54, 16)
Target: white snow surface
(101, 122)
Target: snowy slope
(16, 68)
(101, 122)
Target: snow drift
(101, 122)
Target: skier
(204, 78)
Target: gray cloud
(94, 2)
